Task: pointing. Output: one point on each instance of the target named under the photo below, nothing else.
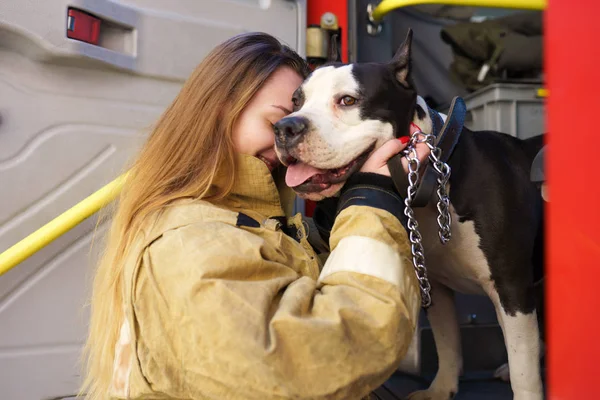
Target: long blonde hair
(190, 144)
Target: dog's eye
(348, 101)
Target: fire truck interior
(82, 81)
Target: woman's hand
(377, 162)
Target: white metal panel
(71, 115)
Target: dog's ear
(401, 61)
(334, 54)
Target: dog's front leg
(444, 323)
(521, 335)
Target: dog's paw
(503, 373)
(430, 394)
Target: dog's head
(341, 114)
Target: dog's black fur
(489, 185)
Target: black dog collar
(447, 135)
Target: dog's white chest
(460, 264)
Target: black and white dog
(341, 113)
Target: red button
(82, 26)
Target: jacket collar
(257, 190)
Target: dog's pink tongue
(298, 173)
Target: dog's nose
(291, 129)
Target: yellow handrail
(386, 6)
(60, 225)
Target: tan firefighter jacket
(222, 304)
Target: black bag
(510, 47)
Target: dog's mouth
(305, 178)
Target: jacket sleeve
(216, 317)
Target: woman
(207, 291)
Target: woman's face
(253, 132)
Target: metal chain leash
(444, 219)
(418, 254)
